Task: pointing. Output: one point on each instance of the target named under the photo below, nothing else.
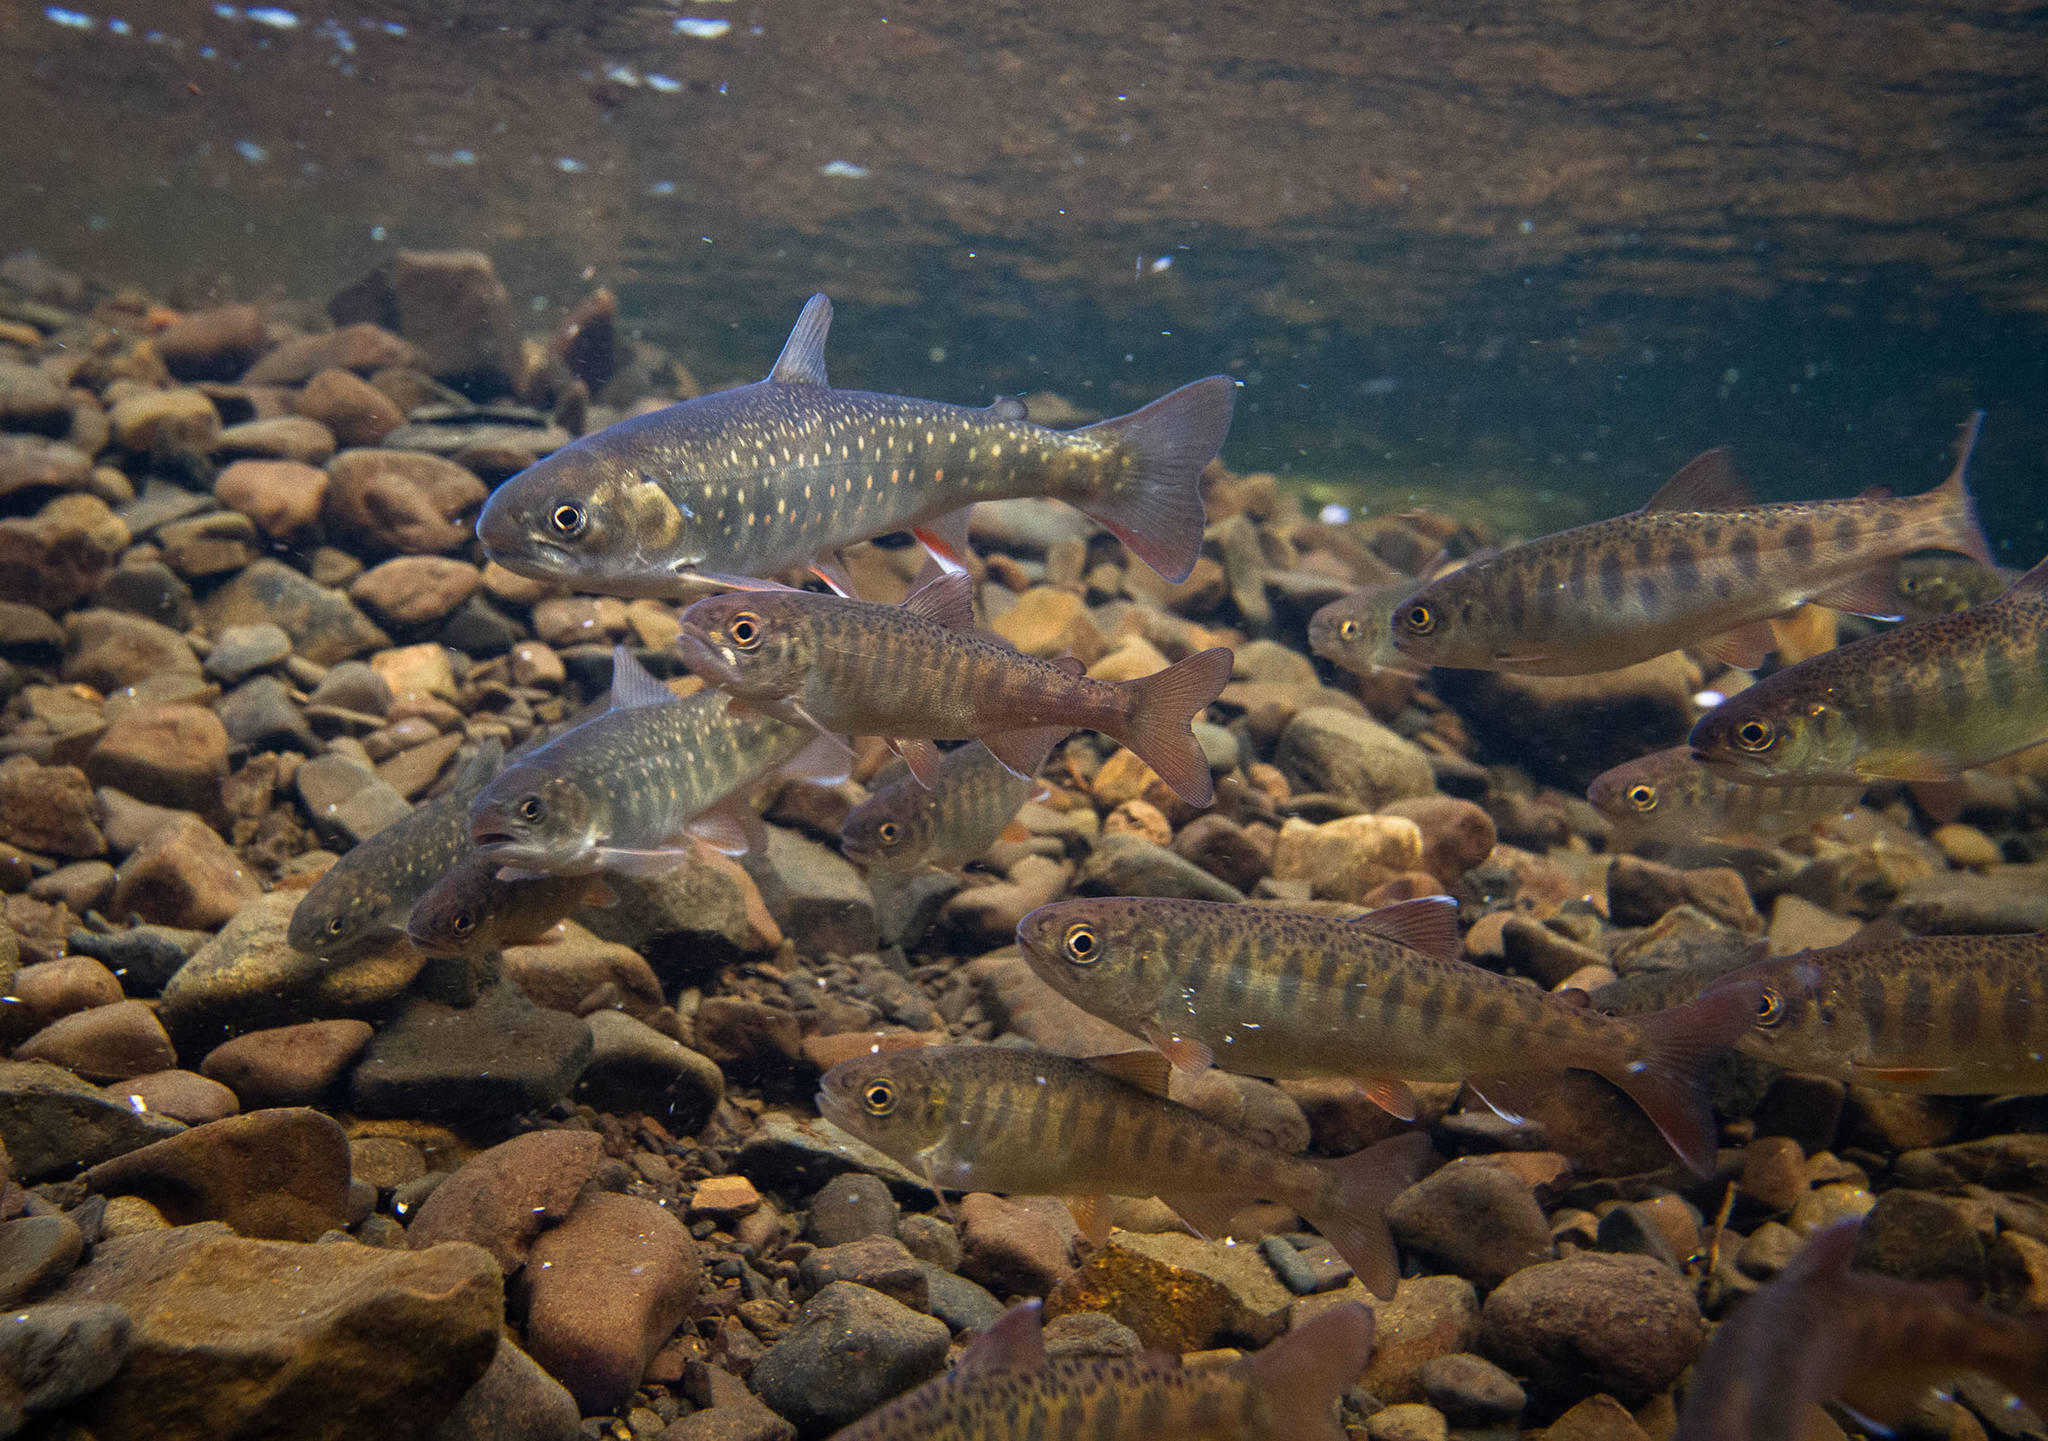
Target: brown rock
(237, 1337)
(213, 344)
(1009, 1249)
(1225, 849)
(452, 305)
(402, 500)
(1050, 623)
(567, 964)
(30, 462)
(1456, 835)
(500, 1199)
(1345, 859)
(288, 1065)
(184, 875)
(361, 347)
(1474, 1220)
(282, 497)
(1597, 1418)
(278, 437)
(1138, 818)
(182, 1095)
(1594, 1322)
(55, 989)
(211, 544)
(172, 755)
(414, 589)
(1179, 1294)
(275, 1175)
(157, 422)
(607, 1287)
(105, 1043)
(356, 411)
(49, 809)
(55, 558)
(109, 649)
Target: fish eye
(1642, 797)
(336, 925)
(888, 833)
(879, 1097)
(1755, 735)
(1909, 583)
(1083, 946)
(462, 923)
(1348, 630)
(1770, 1008)
(745, 630)
(568, 519)
(531, 809)
(1419, 619)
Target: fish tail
(1351, 1212)
(1302, 1374)
(1962, 530)
(1161, 724)
(1671, 1075)
(1155, 504)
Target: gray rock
(784, 1153)
(1128, 865)
(816, 895)
(345, 802)
(957, 1301)
(2004, 1163)
(1474, 1220)
(1305, 1271)
(879, 1263)
(36, 1252)
(53, 1354)
(1089, 1334)
(353, 686)
(634, 1067)
(56, 1123)
(259, 716)
(1470, 1390)
(143, 957)
(850, 1350)
(242, 650)
(497, 1059)
(687, 921)
(1325, 749)
(850, 1207)
(30, 462)
(515, 1401)
(150, 589)
(324, 624)
(930, 1239)
(1920, 1236)
(159, 505)
(1620, 1324)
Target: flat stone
(792, 1154)
(184, 875)
(166, 422)
(237, 1337)
(49, 809)
(108, 649)
(1325, 749)
(482, 1065)
(53, 1354)
(1348, 858)
(30, 462)
(361, 347)
(170, 755)
(879, 1263)
(2004, 900)
(282, 497)
(278, 437)
(105, 1043)
(634, 1067)
(452, 305)
(1472, 1391)
(355, 411)
(287, 1065)
(56, 1123)
(276, 1175)
(53, 989)
(1129, 865)
(849, 1350)
(346, 801)
(1010, 1248)
(1597, 1418)
(564, 965)
(413, 590)
(324, 624)
(216, 344)
(182, 1095)
(242, 650)
(150, 589)
(502, 1198)
(55, 558)
(1178, 1293)
(402, 501)
(211, 544)
(36, 1252)
(817, 894)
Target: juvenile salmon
(971, 801)
(471, 912)
(1382, 1000)
(750, 482)
(920, 672)
(1669, 797)
(1004, 1388)
(1700, 565)
(990, 1118)
(1920, 703)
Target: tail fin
(1965, 534)
(1155, 506)
(1671, 1075)
(1352, 1211)
(1161, 730)
(1302, 1374)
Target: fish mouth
(714, 663)
(833, 1109)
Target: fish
(751, 482)
(1919, 703)
(1936, 585)
(1383, 1000)
(969, 806)
(1702, 565)
(994, 1118)
(1005, 1388)
(471, 912)
(1875, 1344)
(1356, 631)
(363, 899)
(919, 672)
(628, 789)
(1670, 798)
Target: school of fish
(739, 491)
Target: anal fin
(1091, 1217)
(1512, 1098)
(1024, 752)
(1874, 592)
(920, 755)
(1186, 1053)
(1209, 1215)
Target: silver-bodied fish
(628, 789)
(1005, 1388)
(364, 898)
(971, 802)
(991, 1118)
(1382, 1000)
(753, 481)
(1670, 798)
(1920, 703)
(1876, 1344)
(1701, 565)
(920, 672)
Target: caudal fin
(1352, 1210)
(1302, 1374)
(1154, 505)
(1161, 730)
(1963, 532)
(1671, 1076)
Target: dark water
(1520, 258)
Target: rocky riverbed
(582, 1190)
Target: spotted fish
(1382, 999)
(990, 1118)
(470, 911)
(1670, 798)
(753, 481)
(1876, 1344)
(1920, 703)
(1700, 565)
(1935, 585)
(970, 804)
(628, 789)
(363, 899)
(1355, 631)
(920, 672)
(1005, 1388)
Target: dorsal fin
(1706, 482)
(1147, 1069)
(1007, 407)
(1874, 492)
(633, 684)
(1011, 1343)
(1428, 924)
(802, 361)
(1071, 664)
(947, 598)
(2031, 587)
